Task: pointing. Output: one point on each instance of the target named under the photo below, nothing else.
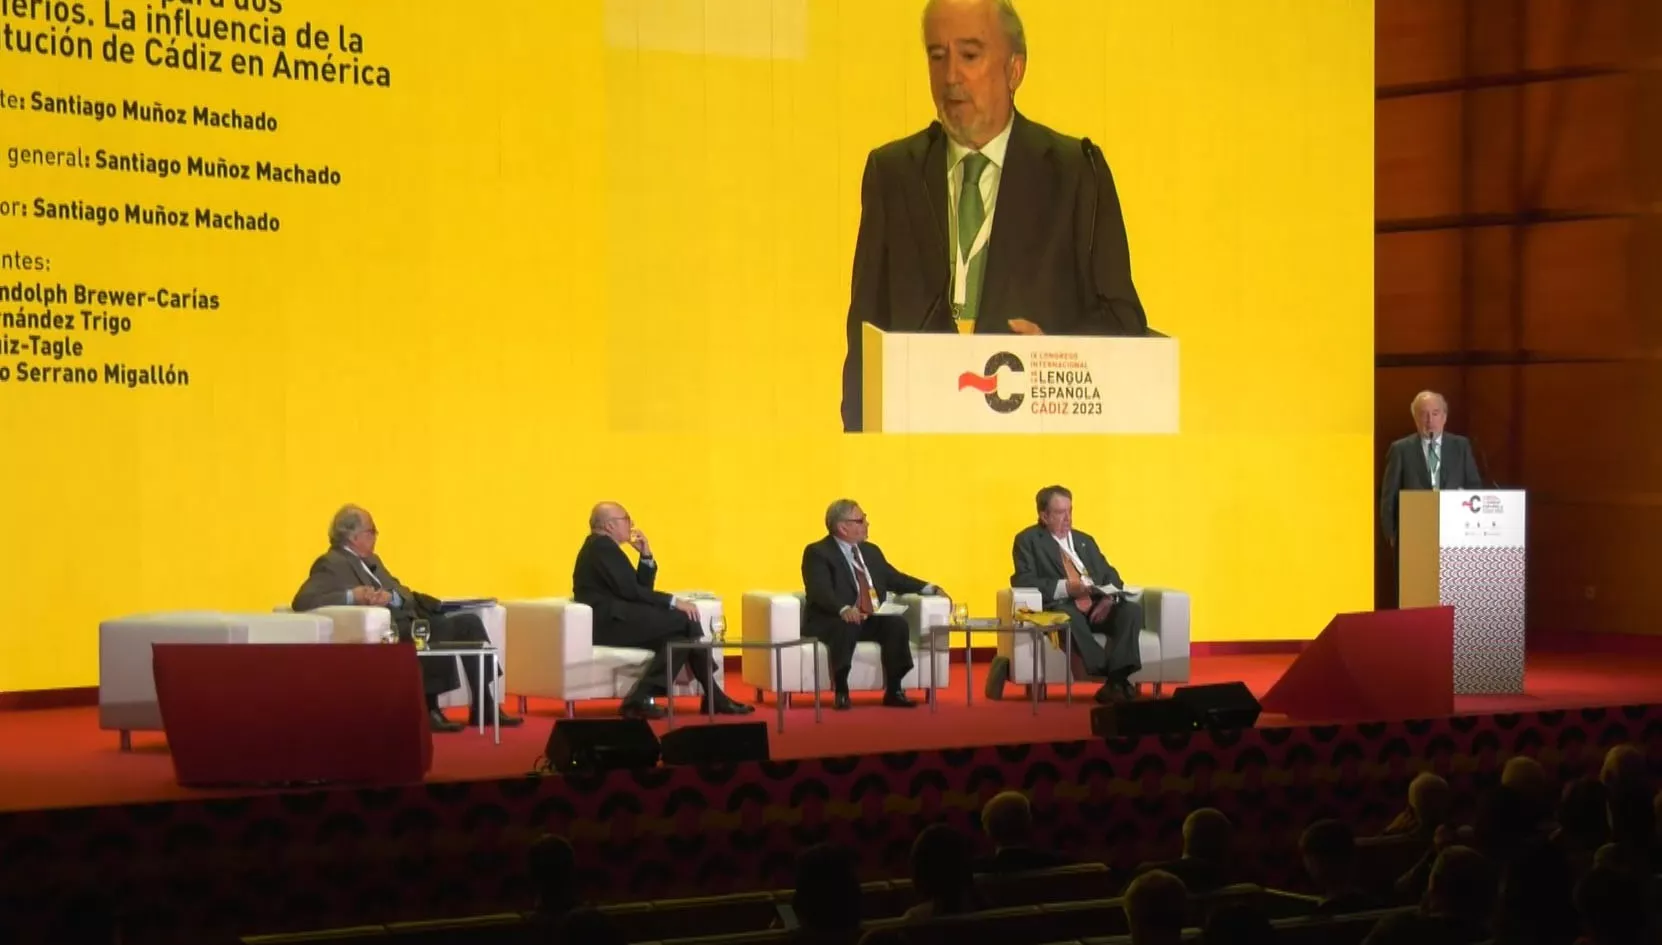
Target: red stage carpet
(60, 758)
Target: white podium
(946, 383)
(1465, 550)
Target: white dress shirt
(1066, 541)
(1425, 453)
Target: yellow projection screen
(479, 266)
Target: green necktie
(971, 214)
(1434, 461)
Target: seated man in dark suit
(351, 573)
(1073, 577)
(846, 579)
(1008, 821)
(628, 612)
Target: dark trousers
(1121, 657)
(644, 627)
(438, 675)
(890, 633)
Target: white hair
(1414, 406)
(1008, 19)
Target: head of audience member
(1430, 411)
(552, 865)
(353, 528)
(1583, 818)
(827, 896)
(1624, 769)
(1008, 820)
(1207, 835)
(1611, 905)
(1462, 886)
(1329, 851)
(1237, 923)
(1430, 804)
(1056, 510)
(612, 520)
(977, 57)
(1156, 904)
(1632, 820)
(847, 522)
(1535, 903)
(1529, 780)
(588, 926)
(1620, 858)
(943, 869)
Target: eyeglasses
(858, 521)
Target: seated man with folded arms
(1072, 576)
(351, 573)
(628, 612)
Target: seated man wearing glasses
(629, 613)
(350, 572)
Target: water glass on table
(420, 632)
(718, 628)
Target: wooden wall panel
(1421, 302)
(1579, 289)
(1417, 157)
(1580, 144)
(1417, 41)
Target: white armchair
(554, 655)
(359, 624)
(777, 616)
(1163, 642)
(126, 680)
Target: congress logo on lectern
(987, 382)
(1060, 382)
(1473, 504)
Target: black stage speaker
(1219, 707)
(731, 743)
(601, 745)
(1141, 717)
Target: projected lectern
(1465, 550)
(946, 383)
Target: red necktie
(864, 583)
(1083, 602)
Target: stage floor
(58, 758)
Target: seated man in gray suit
(1074, 578)
(350, 572)
(1425, 459)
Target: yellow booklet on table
(1041, 618)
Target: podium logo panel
(987, 382)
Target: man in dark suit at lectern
(847, 579)
(985, 222)
(351, 573)
(1426, 459)
(1074, 577)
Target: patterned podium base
(1485, 586)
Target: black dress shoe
(502, 718)
(726, 706)
(841, 702)
(436, 719)
(641, 710)
(1110, 692)
(895, 699)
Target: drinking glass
(718, 628)
(960, 615)
(420, 630)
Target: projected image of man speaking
(986, 221)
